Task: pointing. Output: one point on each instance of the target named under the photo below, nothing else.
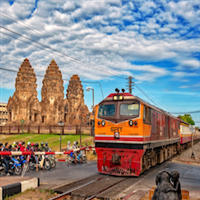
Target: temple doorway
(36, 116)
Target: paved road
(66, 173)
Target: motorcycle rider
(32, 147)
(6, 158)
(36, 148)
(68, 145)
(28, 146)
(79, 154)
(19, 146)
(13, 146)
(1, 147)
(22, 148)
(42, 148)
(47, 149)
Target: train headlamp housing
(118, 98)
(131, 123)
(103, 123)
(116, 135)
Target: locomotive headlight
(130, 123)
(103, 123)
(118, 97)
(116, 135)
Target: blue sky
(156, 42)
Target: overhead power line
(41, 33)
(65, 55)
(145, 94)
(187, 112)
(69, 57)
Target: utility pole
(130, 84)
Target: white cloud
(95, 32)
(192, 63)
(184, 74)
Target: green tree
(187, 118)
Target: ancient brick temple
(53, 107)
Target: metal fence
(66, 129)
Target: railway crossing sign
(191, 128)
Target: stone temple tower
(74, 103)
(52, 95)
(24, 103)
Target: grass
(33, 194)
(53, 140)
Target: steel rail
(61, 196)
(101, 191)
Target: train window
(145, 114)
(106, 110)
(149, 115)
(129, 109)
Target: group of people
(75, 154)
(21, 146)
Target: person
(47, 149)
(32, 147)
(1, 146)
(6, 158)
(22, 147)
(42, 148)
(13, 145)
(79, 154)
(36, 148)
(74, 152)
(68, 145)
(28, 146)
(19, 146)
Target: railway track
(104, 186)
(92, 189)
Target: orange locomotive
(131, 135)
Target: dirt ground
(186, 155)
(33, 194)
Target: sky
(106, 41)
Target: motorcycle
(80, 158)
(13, 166)
(24, 162)
(52, 160)
(43, 162)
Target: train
(131, 135)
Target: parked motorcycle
(80, 158)
(13, 166)
(43, 162)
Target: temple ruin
(53, 107)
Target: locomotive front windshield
(106, 110)
(129, 109)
